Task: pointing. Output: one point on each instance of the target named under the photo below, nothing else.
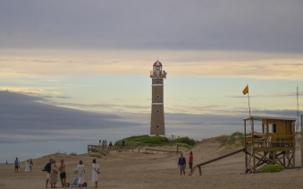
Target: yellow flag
(245, 90)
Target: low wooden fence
(103, 150)
(200, 165)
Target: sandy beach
(135, 170)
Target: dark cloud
(19, 111)
(32, 118)
(272, 25)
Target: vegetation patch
(184, 140)
(236, 140)
(146, 140)
(272, 168)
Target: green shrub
(272, 168)
(185, 140)
(143, 140)
(146, 140)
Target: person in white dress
(95, 172)
(80, 173)
(27, 166)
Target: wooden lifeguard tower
(269, 140)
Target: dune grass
(234, 140)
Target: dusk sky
(95, 56)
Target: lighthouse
(157, 122)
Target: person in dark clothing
(48, 169)
(31, 164)
(62, 173)
(190, 162)
(17, 165)
(110, 146)
(182, 164)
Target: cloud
(272, 25)
(103, 106)
(39, 63)
(24, 90)
(287, 94)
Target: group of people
(182, 163)
(105, 144)
(28, 165)
(53, 172)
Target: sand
(133, 170)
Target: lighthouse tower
(157, 125)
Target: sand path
(132, 170)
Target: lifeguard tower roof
(260, 118)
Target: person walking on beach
(17, 165)
(48, 169)
(190, 162)
(31, 164)
(80, 173)
(62, 173)
(95, 172)
(182, 164)
(110, 146)
(54, 174)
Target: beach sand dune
(133, 170)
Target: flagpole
(298, 108)
(249, 110)
(246, 91)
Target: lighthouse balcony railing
(159, 75)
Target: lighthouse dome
(158, 64)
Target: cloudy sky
(272, 25)
(91, 59)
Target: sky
(90, 61)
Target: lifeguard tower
(269, 140)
